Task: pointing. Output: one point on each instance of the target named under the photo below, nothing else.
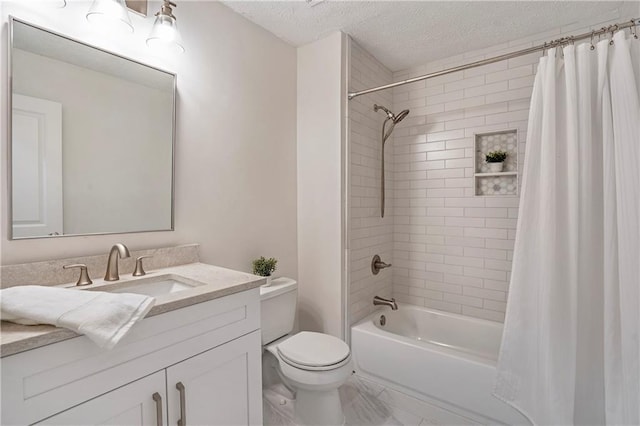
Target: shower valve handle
(377, 264)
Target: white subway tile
(501, 201)
(485, 233)
(426, 147)
(486, 89)
(483, 110)
(446, 154)
(445, 211)
(426, 275)
(465, 202)
(518, 83)
(459, 183)
(486, 212)
(464, 261)
(465, 103)
(423, 292)
(485, 294)
(493, 305)
(459, 143)
(463, 300)
(485, 253)
(462, 280)
(465, 241)
(502, 223)
(485, 273)
(441, 136)
(445, 173)
(465, 122)
(464, 83)
(445, 230)
(483, 313)
(507, 117)
(450, 250)
(496, 285)
(457, 163)
(509, 95)
(445, 97)
(444, 287)
(499, 244)
(508, 74)
(499, 265)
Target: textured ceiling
(402, 34)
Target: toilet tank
(278, 308)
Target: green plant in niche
(264, 267)
(496, 156)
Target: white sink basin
(155, 288)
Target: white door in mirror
(36, 151)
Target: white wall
(369, 234)
(452, 249)
(321, 156)
(236, 133)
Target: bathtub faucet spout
(377, 300)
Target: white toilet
(312, 365)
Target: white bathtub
(446, 359)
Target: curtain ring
(592, 46)
(614, 28)
(634, 29)
(544, 48)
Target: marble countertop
(209, 282)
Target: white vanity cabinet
(132, 405)
(202, 362)
(217, 387)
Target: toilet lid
(311, 349)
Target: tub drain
(383, 320)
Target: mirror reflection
(92, 139)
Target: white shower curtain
(571, 346)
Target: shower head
(391, 116)
(398, 118)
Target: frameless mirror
(92, 137)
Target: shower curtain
(570, 351)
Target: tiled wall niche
(491, 183)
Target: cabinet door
(130, 405)
(222, 386)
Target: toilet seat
(314, 351)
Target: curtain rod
(559, 42)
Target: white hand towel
(103, 317)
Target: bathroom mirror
(92, 139)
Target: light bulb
(110, 14)
(164, 34)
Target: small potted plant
(495, 160)
(264, 267)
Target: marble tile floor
(364, 403)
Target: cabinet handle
(158, 399)
(183, 409)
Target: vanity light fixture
(164, 33)
(110, 13)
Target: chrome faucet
(117, 251)
(377, 300)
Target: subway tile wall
(369, 234)
(452, 250)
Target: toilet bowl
(312, 365)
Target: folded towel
(104, 318)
